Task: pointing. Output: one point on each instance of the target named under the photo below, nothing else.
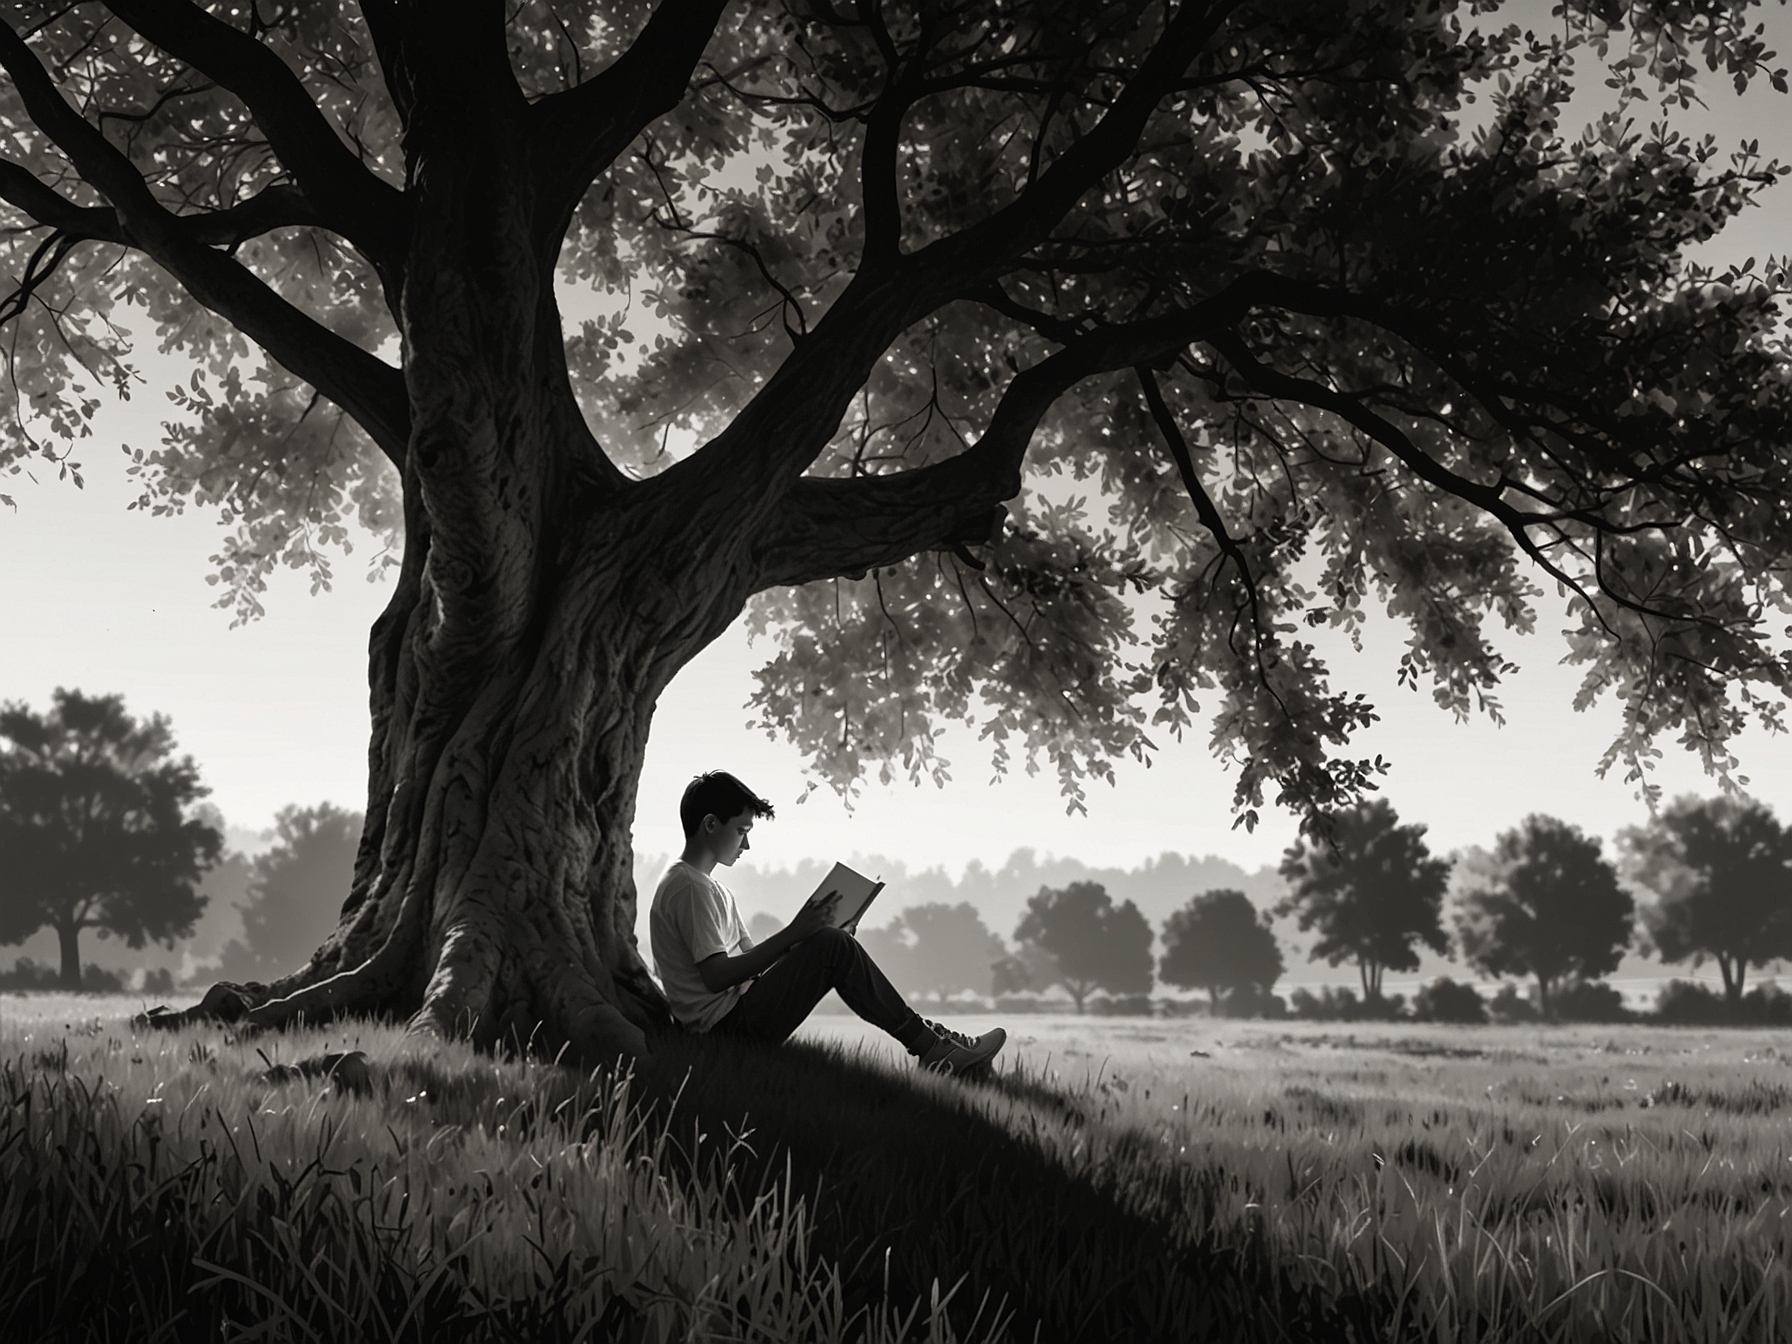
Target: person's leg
(778, 1001)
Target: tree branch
(276, 207)
(383, 26)
(1488, 498)
(829, 526)
(367, 388)
(1205, 509)
(349, 196)
(580, 132)
(1025, 222)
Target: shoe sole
(951, 1070)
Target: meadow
(1118, 1179)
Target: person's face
(729, 838)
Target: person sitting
(718, 979)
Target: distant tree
(295, 892)
(1029, 967)
(1545, 903)
(1094, 943)
(1372, 893)
(1220, 943)
(96, 830)
(1721, 872)
(949, 949)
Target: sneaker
(956, 1053)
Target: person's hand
(815, 917)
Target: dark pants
(777, 1002)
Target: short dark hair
(719, 793)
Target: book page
(856, 892)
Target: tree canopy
(1093, 943)
(1219, 942)
(1303, 281)
(96, 827)
(1545, 903)
(1053, 365)
(1372, 891)
(1721, 872)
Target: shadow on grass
(913, 1182)
(1009, 1199)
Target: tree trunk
(1733, 968)
(1543, 1007)
(544, 603)
(493, 896)
(1369, 972)
(68, 936)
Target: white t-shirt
(693, 917)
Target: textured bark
(493, 896)
(546, 599)
(543, 605)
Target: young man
(717, 979)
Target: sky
(96, 597)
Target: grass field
(1119, 1179)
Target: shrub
(1512, 1004)
(1588, 1001)
(1120, 1005)
(1328, 1005)
(1253, 1001)
(1342, 1005)
(1028, 1003)
(27, 975)
(1768, 1005)
(1686, 1003)
(1443, 1000)
(157, 981)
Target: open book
(856, 892)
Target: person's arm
(722, 971)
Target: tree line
(1543, 904)
(99, 830)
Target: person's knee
(834, 948)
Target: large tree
(1721, 872)
(1372, 890)
(1315, 296)
(1545, 903)
(97, 827)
